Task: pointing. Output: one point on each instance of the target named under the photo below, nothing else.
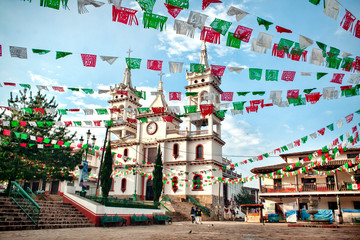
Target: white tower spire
(203, 55)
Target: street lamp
(84, 171)
(137, 167)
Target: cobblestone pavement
(186, 230)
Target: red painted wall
(95, 219)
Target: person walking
(192, 214)
(196, 215)
(200, 216)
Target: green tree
(30, 161)
(244, 197)
(106, 171)
(158, 177)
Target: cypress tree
(106, 171)
(158, 177)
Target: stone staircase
(53, 214)
(180, 211)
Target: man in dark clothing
(192, 214)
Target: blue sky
(28, 25)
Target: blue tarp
(323, 214)
(291, 212)
(351, 210)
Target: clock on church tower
(151, 128)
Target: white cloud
(301, 128)
(220, 11)
(236, 64)
(176, 45)
(339, 31)
(328, 112)
(288, 128)
(241, 137)
(35, 78)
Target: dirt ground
(187, 230)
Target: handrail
(25, 202)
(205, 210)
(165, 208)
(165, 198)
(30, 192)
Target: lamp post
(135, 173)
(84, 171)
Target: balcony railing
(308, 187)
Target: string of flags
(324, 154)
(293, 97)
(293, 50)
(332, 9)
(279, 150)
(319, 57)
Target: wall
(93, 211)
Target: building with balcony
(334, 190)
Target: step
(44, 226)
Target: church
(192, 157)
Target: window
(176, 150)
(352, 155)
(152, 154)
(123, 184)
(112, 185)
(277, 184)
(356, 178)
(174, 184)
(356, 205)
(332, 205)
(126, 154)
(199, 152)
(197, 183)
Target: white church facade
(192, 157)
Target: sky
(27, 24)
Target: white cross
(129, 52)
(161, 74)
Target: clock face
(151, 128)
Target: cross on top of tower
(129, 52)
(160, 88)
(161, 74)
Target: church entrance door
(149, 190)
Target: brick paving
(186, 230)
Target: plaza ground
(187, 230)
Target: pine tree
(30, 162)
(244, 197)
(158, 177)
(106, 171)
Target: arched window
(123, 184)
(197, 183)
(176, 150)
(126, 154)
(174, 184)
(112, 185)
(199, 152)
